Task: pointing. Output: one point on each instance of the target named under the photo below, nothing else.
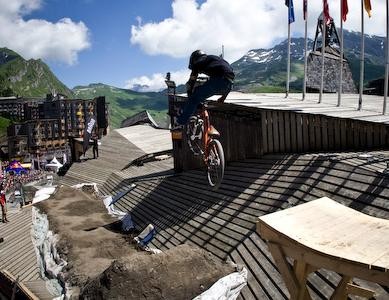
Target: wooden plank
(270, 139)
(337, 135)
(281, 130)
(287, 127)
(343, 134)
(264, 124)
(318, 133)
(284, 268)
(305, 127)
(293, 132)
(349, 135)
(312, 132)
(324, 132)
(276, 131)
(331, 133)
(383, 136)
(369, 136)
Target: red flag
(305, 9)
(326, 12)
(368, 7)
(344, 10)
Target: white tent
(54, 165)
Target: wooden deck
(371, 106)
(147, 138)
(17, 253)
(252, 125)
(185, 210)
(117, 150)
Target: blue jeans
(214, 86)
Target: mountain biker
(221, 77)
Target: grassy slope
(125, 103)
(4, 123)
(32, 78)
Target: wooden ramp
(18, 259)
(118, 149)
(326, 234)
(184, 209)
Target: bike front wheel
(215, 163)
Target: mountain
(264, 70)
(124, 103)
(28, 78)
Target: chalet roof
(140, 118)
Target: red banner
(344, 10)
(326, 12)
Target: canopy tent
(15, 167)
(54, 165)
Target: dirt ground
(104, 264)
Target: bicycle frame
(205, 139)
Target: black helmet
(194, 58)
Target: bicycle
(202, 139)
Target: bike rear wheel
(215, 163)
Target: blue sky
(127, 42)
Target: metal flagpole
(362, 71)
(305, 53)
(288, 66)
(323, 45)
(341, 55)
(387, 59)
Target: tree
(5, 90)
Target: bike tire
(215, 163)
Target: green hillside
(27, 78)
(124, 103)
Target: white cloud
(239, 26)
(156, 82)
(35, 38)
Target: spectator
(95, 147)
(3, 204)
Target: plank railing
(250, 132)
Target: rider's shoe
(213, 132)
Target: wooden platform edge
(10, 280)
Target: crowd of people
(11, 182)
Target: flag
(289, 4)
(368, 7)
(305, 9)
(326, 12)
(344, 10)
(89, 125)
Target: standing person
(3, 204)
(95, 147)
(221, 78)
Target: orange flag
(368, 7)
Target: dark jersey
(213, 66)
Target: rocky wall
(331, 74)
